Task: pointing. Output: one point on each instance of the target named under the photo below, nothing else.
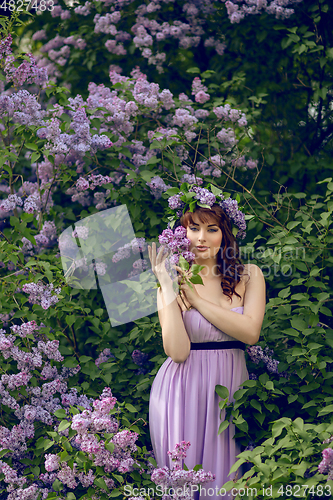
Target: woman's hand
(190, 294)
(158, 264)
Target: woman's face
(205, 238)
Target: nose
(202, 236)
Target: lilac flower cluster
(139, 266)
(257, 354)
(175, 201)
(157, 186)
(326, 465)
(226, 113)
(76, 145)
(199, 91)
(211, 167)
(45, 239)
(41, 294)
(230, 207)
(141, 359)
(278, 8)
(88, 424)
(118, 112)
(137, 245)
(27, 72)
(103, 357)
(22, 107)
(203, 195)
(176, 242)
(176, 477)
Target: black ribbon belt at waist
(229, 344)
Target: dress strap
(229, 344)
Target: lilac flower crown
(189, 196)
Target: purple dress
(183, 404)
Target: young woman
(229, 307)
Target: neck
(210, 270)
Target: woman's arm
(176, 342)
(245, 327)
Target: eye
(193, 228)
(214, 230)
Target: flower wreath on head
(188, 196)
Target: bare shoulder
(255, 297)
(252, 270)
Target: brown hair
(228, 258)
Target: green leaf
(256, 405)
(84, 359)
(223, 426)
(35, 157)
(172, 191)
(60, 413)
(70, 319)
(196, 280)
(284, 293)
(222, 391)
(70, 362)
(193, 70)
(326, 410)
(109, 447)
(101, 483)
(29, 145)
(279, 425)
(63, 425)
(147, 175)
(4, 452)
(57, 485)
(183, 264)
(130, 408)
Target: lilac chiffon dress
(184, 406)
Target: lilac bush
(151, 28)
(95, 454)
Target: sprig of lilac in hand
(175, 250)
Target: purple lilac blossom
(178, 244)
(326, 465)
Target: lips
(202, 248)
